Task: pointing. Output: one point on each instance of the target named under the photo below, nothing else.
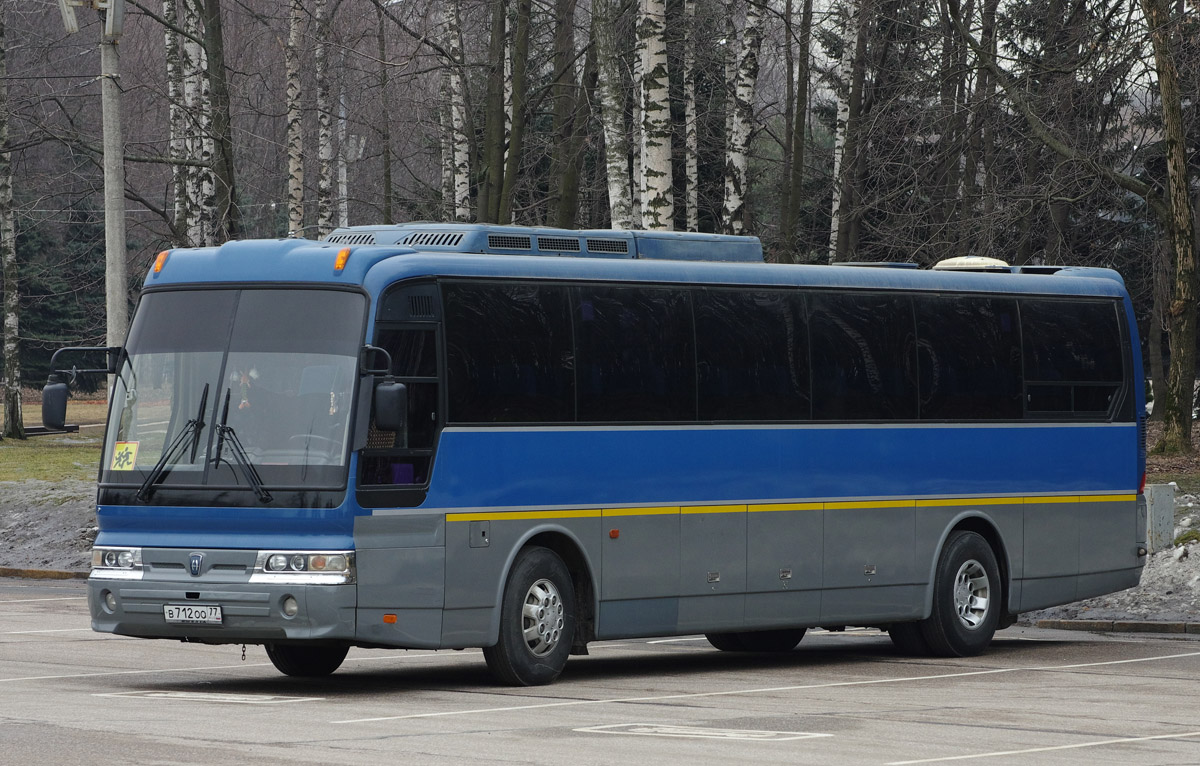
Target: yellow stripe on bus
(955, 501)
(770, 507)
(663, 511)
(839, 505)
(690, 509)
(845, 506)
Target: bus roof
(374, 267)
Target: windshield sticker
(124, 456)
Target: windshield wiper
(239, 453)
(191, 430)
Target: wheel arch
(567, 546)
(980, 524)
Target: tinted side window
(508, 351)
(969, 351)
(752, 355)
(1073, 356)
(636, 354)
(863, 357)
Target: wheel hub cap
(972, 594)
(542, 618)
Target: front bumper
(251, 612)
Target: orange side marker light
(161, 261)
(614, 533)
(342, 256)
(389, 619)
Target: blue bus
(525, 440)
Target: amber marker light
(613, 534)
(161, 261)
(389, 619)
(342, 256)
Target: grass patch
(1186, 483)
(50, 458)
(1190, 536)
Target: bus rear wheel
(306, 661)
(783, 640)
(966, 598)
(537, 621)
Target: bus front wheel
(537, 620)
(966, 598)
(306, 661)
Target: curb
(1122, 626)
(42, 574)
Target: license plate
(203, 614)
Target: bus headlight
(304, 567)
(110, 563)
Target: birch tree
(611, 97)
(325, 164)
(852, 70)
(691, 139)
(11, 389)
(457, 151)
(740, 108)
(657, 198)
(295, 119)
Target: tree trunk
(295, 120)
(658, 201)
(691, 140)
(512, 162)
(611, 95)
(794, 198)
(737, 145)
(852, 69)
(228, 220)
(177, 125)
(325, 168)
(11, 389)
(564, 175)
(494, 117)
(199, 184)
(1180, 229)
(460, 150)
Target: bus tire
(306, 661)
(966, 598)
(725, 642)
(783, 640)
(537, 620)
(908, 639)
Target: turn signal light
(161, 261)
(342, 256)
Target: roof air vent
(510, 242)
(607, 246)
(561, 244)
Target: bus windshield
(236, 388)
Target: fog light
(110, 601)
(290, 607)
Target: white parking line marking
(677, 640)
(60, 598)
(211, 667)
(1123, 740)
(698, 732)
(57, 630)
(767, 690)
(240, 699)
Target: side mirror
(391, 406)
(54, 403)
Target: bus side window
(404, 457)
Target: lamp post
(115, 287)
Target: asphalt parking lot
(68, 695)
